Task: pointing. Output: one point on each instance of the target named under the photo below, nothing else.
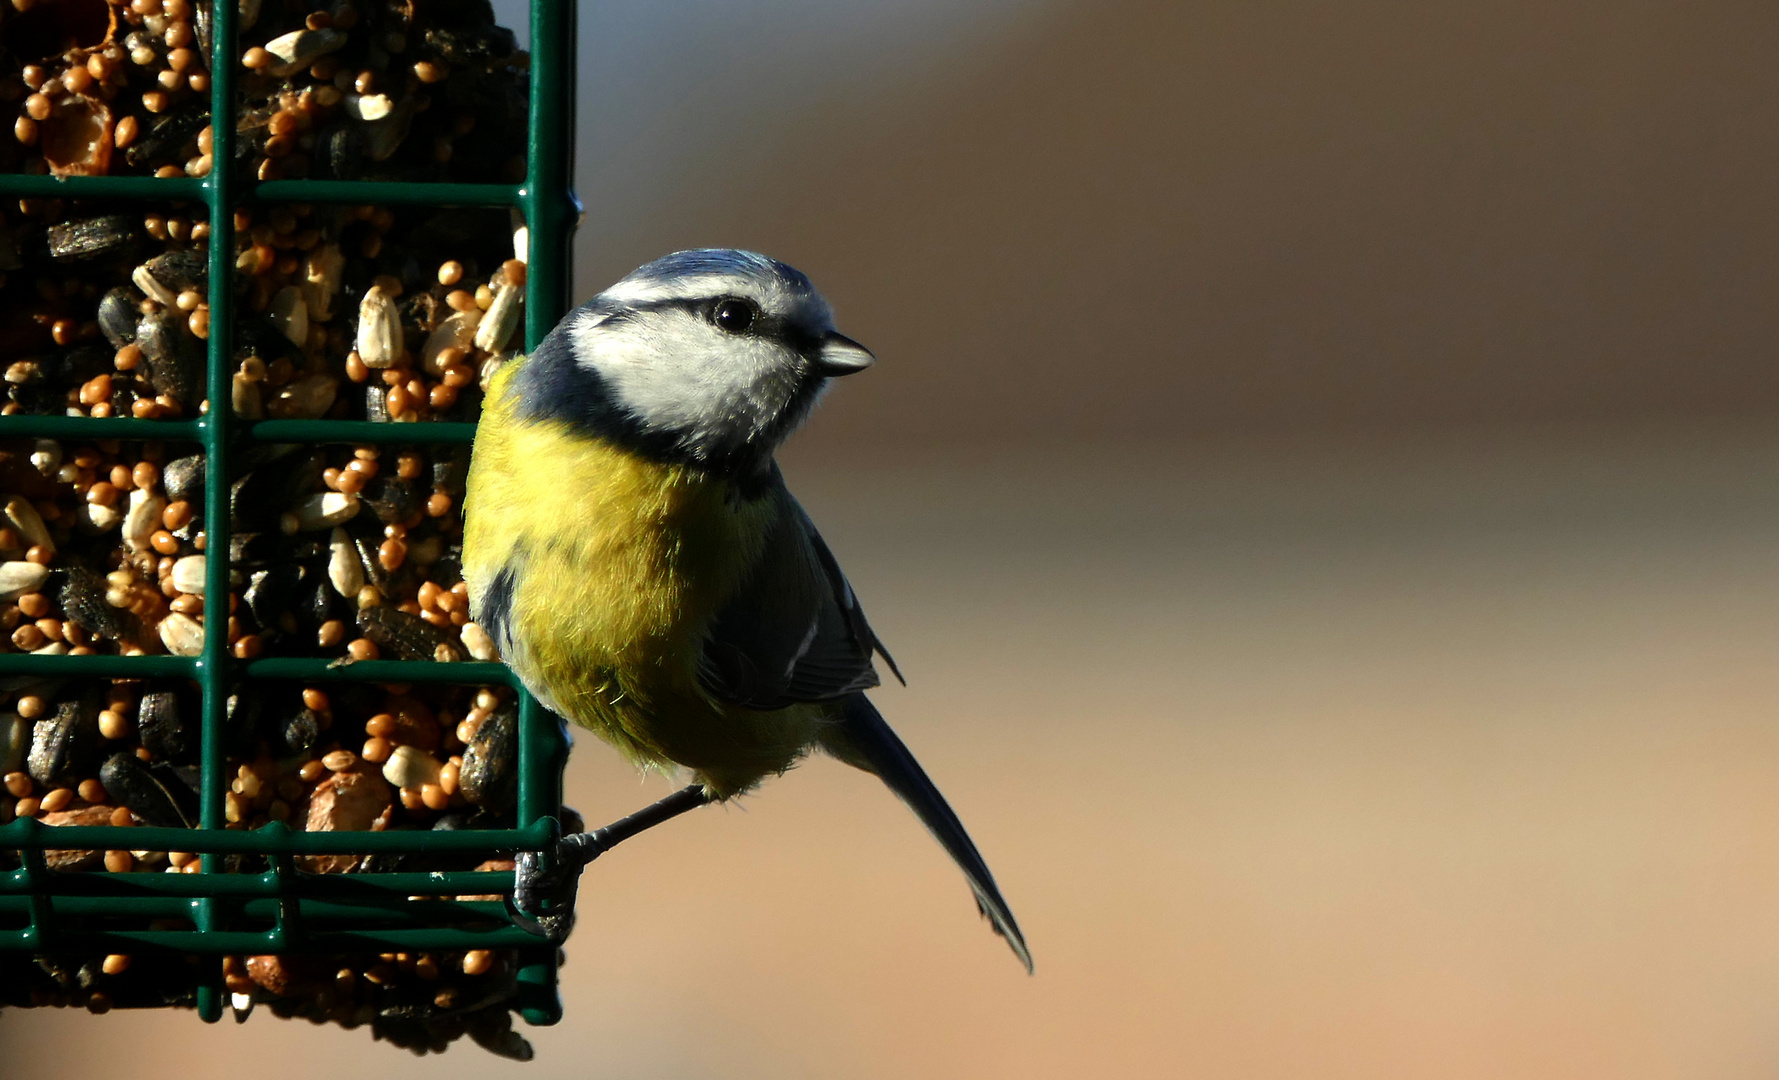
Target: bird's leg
(537, 883)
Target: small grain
(114, 725)
(478, 961)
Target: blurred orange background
(1322, 483)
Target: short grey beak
(840, 355)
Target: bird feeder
(282, 259)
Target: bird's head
(710, 356)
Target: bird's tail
(863, 740)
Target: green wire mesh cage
(252, 894)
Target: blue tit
(631, 547)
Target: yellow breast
(618, 564)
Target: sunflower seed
(521, 237)
(344, 570)
(92, 238)
(143, 518)
(245, 398)
(369, 107)
(182, 635)
(322, 511)
(20, 577)
(379, 329)
(179, 270)
(97, 518)
(65, 745)
(172, 355)
(21, 515)
(381, 138)
(290, 314)
(152, 288)
(321, 281)
(166, 731)
(83, 597)
(489, 776)
(188, 574)
(156, 796)
(297, 50)
(167, 135)
(118, 313)
(393, 499)
(496, 327)
(183, 478)
(408, 637)
(457, 330)
(15, 741)
(46, 458)
(477, 641)
(411, 767)
(308, 398)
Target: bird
(631, 547)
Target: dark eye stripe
(764, 325)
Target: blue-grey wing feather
(794, 632)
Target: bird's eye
(734, 316)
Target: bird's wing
(794, 631)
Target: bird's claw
(542, 901)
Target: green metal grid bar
(152, 667)
(380, 193)
(437, 432)
(284, 895)
(107, 187)
(30, 834)
(125, 427)
(372, 192)
(270, 884)
(213, 662)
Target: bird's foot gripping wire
(544, 883)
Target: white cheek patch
(678, 374)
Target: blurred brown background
(1323, 485)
